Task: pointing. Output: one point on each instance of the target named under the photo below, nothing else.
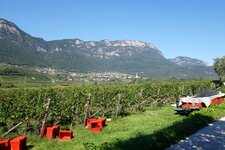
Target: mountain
(18, 47)
(187, 61)
(123, 56)
(126, 56)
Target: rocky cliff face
(187, 61)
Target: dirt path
(211, 137)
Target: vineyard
(70, 104)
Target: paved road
(211, 137)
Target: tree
(219, 65)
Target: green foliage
(68, 104)
(7, 85)
(90, 146)
(11, 76)
(219, 66)
(155, 128)
(21, 71)
(10, 71)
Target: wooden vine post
(45, 117)
(183, 90)
(158, 91)
(118, 107)
(96, 112)
(87, 112)
(12, 129)
(137, 106)
(17, 125)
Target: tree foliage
(219, 66)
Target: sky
(192, 28)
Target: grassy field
(18, 81)
(155, 128)
(121, 129)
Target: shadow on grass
(211, 137)
(29, 147)
(164, 138)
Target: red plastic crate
(51, 132)
(56, 127)
(19, 143)
(5, 144)
(65, 134)
(94, 126)
(101, 122)
(42, 132)
(89, 120)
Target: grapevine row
(69, 104)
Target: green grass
(119, 129)
(156, 128)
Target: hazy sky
(194, 28)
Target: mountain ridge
(126, 56)
(187, 61)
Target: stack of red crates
(18, 143)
